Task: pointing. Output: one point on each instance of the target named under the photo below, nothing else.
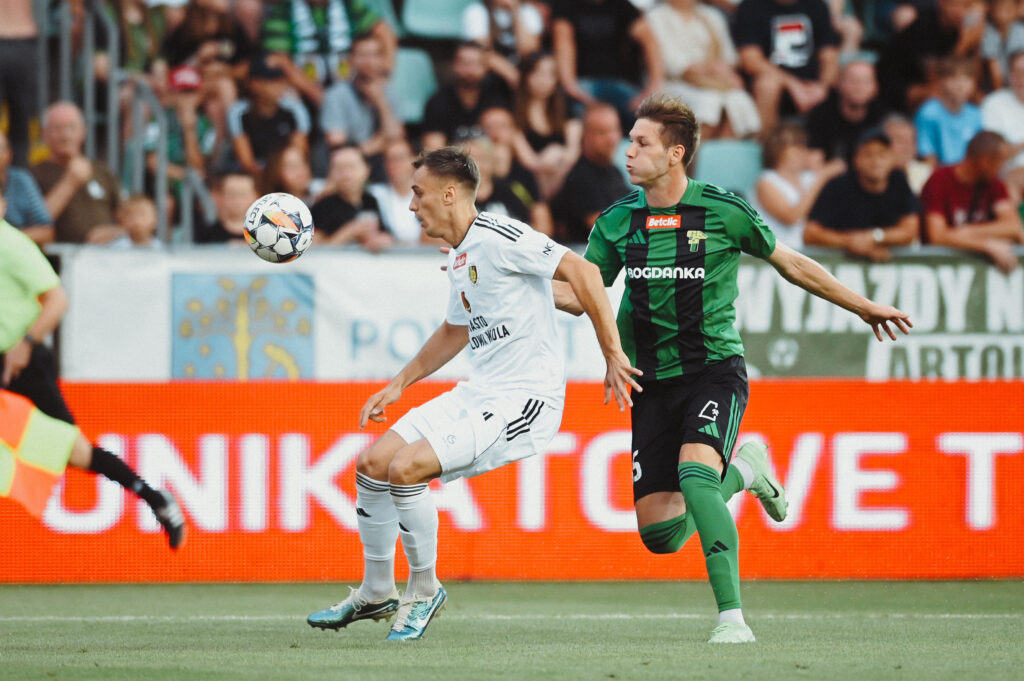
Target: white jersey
(500, 279)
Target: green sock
(733, 483)
(668, 536)
(702, 490)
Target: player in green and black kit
(680, 241)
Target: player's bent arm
(446, 342)
(565, 299)
(798, 269)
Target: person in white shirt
(502, 307)
(393, 196)
(1003, 112)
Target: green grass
(816, 630)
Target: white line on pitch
(498, 617)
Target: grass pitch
(817, 630)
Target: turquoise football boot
(414, 614)
(353, 609)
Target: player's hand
(373, 410)
(15, 360)
(880, 316)
(618, 380)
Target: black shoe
(171, 518)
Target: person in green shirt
(32, 303)
(679, 241)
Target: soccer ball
(278, 227)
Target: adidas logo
(711, 430)
(717, 547)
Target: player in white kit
(501, 306)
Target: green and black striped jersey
(677, 312)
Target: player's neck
(667, 190)
(462, 219)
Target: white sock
(378, 530)
(745, 470)
(734, 616)
(417, 523)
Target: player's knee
(667, 536)
(661, 544)
(372, 464)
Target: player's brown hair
(453, 163)
(678, 123)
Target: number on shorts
(636, 467)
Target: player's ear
(450, 194)
(677, 154)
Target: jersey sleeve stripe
(483, 217)
(732, 200)
(628, 198)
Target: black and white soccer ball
(278, 227)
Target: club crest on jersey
(465, 302)
(460, 260)
(664, 221)
(694, 237)
(472, 274)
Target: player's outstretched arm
(440, 348)
(588, 288)
(806, 273)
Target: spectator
(852, 107)
(550, 140)
(455, 108)
(966, 206)
(288, 171)
(18, 72)
(361, 110)
(500, 127)
(1003, 37)
(790, 183)
(233, 193)
(1003, 112)
(26, 207)
(394, 196)
(192, 140)
(268, 120)
(594, 181)
(597, 44)
(946, 123)
(347, 213)
(788, 48)
(314, 38)
(510, 29)
(700, 66)
(496, 196)
(903, 136)
(868, 209)
(907, 65)
(81, 195)
(137, 217)
(142, 27)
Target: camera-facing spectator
(233, 193)
(789, 50)
(288, 171)
(81, 195)
(347, 212)
(604, 49)
(496, 196)
(26, 207)
(269, 119)
(510, 29)
(903, 135)
(700, 64)
(907, 67)
(138, 218)
(395, 195)
(1003, 37)
(550, 140)
(192, 139)
(946, 123)
(314, 39)
(500, 127)
(361, 110)
(852, 107)
(454, 110)
(594, 181)
(789, 185)
(1003, 112)
(966, 206)
(866, 210)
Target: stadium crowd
(879, 123)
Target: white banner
(221, 313)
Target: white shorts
(473, 433)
